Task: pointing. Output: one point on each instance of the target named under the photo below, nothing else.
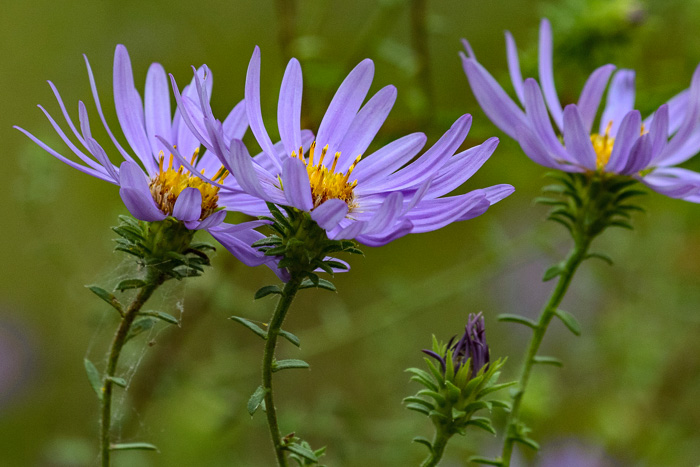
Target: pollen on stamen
(168, 183)
(325, 182)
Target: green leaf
(302, 451)
(517, 319)
(569, 321)
(494, 388)
(130, 284)
(601, 256)
(549, 201)
(93, 377)
(337, 265)
(288, 364)
(502, 404)
(418, 408)
(527, 442)
(485, 461)
(322, 284)
(418, 400)
(290, 337)
(623, 224)
(267, 290)
(478, 405)
(132, 447)
(452, 391)
(547, 361)
(140, 326)
(439, 398)
(272, 240)
(424, 441)
(552, 272)
(250, 325)
(276, 251)
(107, 297)
(483, 423)
(562, 222)
(255, 400)
(162, 316)
(423, 378)
(121, 382)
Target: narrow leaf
(483, 423)
(418, 400)
(130, 284)
(107, 297)
(322, 284)
(601, 256)
(301, 451)
(418, 408)
(255, 400)
(424, 441)
(121, 382)
(569, 321)
(267, 290)
(527, 442)
(485, 461)
(162, 316)
(517, 319)
(140, 326)
(132, 447)
(289, 363)
(552, 272)
(94, 377)
(290, 337)
(250, 325)
(547, 361)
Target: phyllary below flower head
(373, 199)
(159, 187)
(623, 144)
(471, 348)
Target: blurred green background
(628, 393)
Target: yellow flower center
(168, 183)
(325, 182)
(603, 146)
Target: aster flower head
(372, 199)
(622, 144)
(157, 187)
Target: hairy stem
(290, 290)
(576, 256)
(438, 448)
(153, 281)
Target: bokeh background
(628, 393)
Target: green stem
(438, 448)
(152, 283)
(577, 255)
(290, 290)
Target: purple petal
(65, 113)
(542, 125)
(238, 242)
(330, 213)
(620, 101)
(673, 153)
(130, 109)
(157, 107)
(659, 131)
(365, 126)
(397, 231)
(252, 105)
(434, 214)
(628, 134)
(675, 183)
(532, 147)
(389, 158)
(188, 206)
(236, 123)
(135, 193)
(211, 221)
(350, 231)
(576, 138)
(345, 104)
(500, 108)
(640, 155)
(386, 215)
(547, 73)
(516, 76)
(297, 188)
(289, 107)
(592, 92)
(496, 193)
(241, 166)
(95, 149)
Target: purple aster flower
(470, 347)
(372, 199)
(623, 144)
(159, 186)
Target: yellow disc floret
(603, 146)
(325, 182)
(168, 183)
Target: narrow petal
(297, 188)
(330, 213)
(397, 231)
(345, 104)
(236, 123)
(620, 101)
(532, 147)
(389, 158)
(434, 214)
(95, 149)
(640, 155)
(386, 215)
(289, 107)
(496, 193)
(628, 134)
(593, 90)
(241, 166)
(157, 107)
(135, 193)
(547, 73)
(211, 221)
(576, 138)
(188, 206)
(658, 130)
(675, 183)
(494, 101)
(687, 133)
(130, 109)
(365, 126)
(542, 125)
(252, 105)
(516, 76)
(238, 244)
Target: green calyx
(302, 244)
(588, 203)
(167, 246)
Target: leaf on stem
(132, 447)
(601, 256)
(290, 363)
(162, 316)
(485, 461)
(250, 325)
(569, 321)
(107, 297)
(302, 451)
(290, 337)
(121, 382)
(321, 284)
(552, 272)
(424, 441)
(547, 361)
(130, 284)
(94, 377)
(517, 319)
(255, 400)
(267, 290)
(140, 326)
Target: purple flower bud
(471, 345)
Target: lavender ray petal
(628, 133)
(547, 73)
(639, 156)
(516, 76)
(386, 215)
(496, 193)
(330, 213)
(589, 101)
(238, 244)
(289, 107)
(350, 231)
(211, 221)
(399, 230)
(236, 123)
(532, 147)
(388, 159)
(297, 188)
(135, 193)
(345, 104)
(576, 138)
(659, 131)
(675, 183)
(188, 206)
(157, 107)
(241, 165)
(94, 148)
(620, 101)
(541, 124)
(64, 111)
(433, 214)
